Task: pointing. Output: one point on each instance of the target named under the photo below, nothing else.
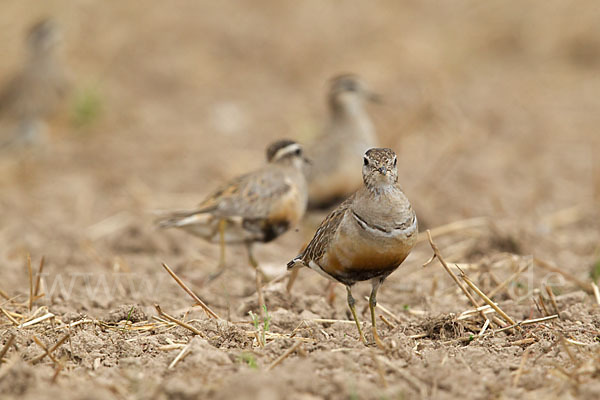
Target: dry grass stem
(10, 317)
(36, 320)
(332, 321)
(30, 273)
(577, 343)
(59, 367)
(596, 292)
(180, 356)
(51, 349)
(285, 355)
(526, 322)
(178, 322)
(543, 304)
(9, 342)
(36, 291)
(173, 346)
(522, 342)
(552, 299)
(486, 309)
(48, 353)
(437, 254)
(206, 309)
(484, 328)
(388, 323)
(486, 299)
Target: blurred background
(492, 106)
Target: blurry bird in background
(332, 177)
(256, 207)
(35, 92)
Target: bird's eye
(395, 161)
(365, 161)
(298, 152)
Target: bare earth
(492, 107)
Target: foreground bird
(35, 93)
(256, 207)
(346, 137)
(367, 236)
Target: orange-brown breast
(353, 258)
(289, 208)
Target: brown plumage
(367, 236)
(255, 207)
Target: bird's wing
(248, 196)
(320, 242)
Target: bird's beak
(382, 170)
(307, 160)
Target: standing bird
(367, 236)
(346, 137)
(35, 93)
(256, 207)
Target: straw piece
(436, 252)
(36, 320)
(36, 291)
(184, 352)
(30, 272)
(178, 322)
(596, 292)
(51, 349)
(206, 309)
(14, 321)
(486, 299)
(285, 355)
(6, 347)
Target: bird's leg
(258, 279)
(330, 293)
(351, 303)
(292, 278)
(372, 304)
(222, 224)
(221, 265)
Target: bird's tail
(177, 219)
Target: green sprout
(87, 107)
(248, 358)
(261, 330)
(128, 317)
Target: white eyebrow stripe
(289, 149)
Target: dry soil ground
(492, 106)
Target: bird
(35, 92)
(256, 207)
(367, 236)
(346, 136)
